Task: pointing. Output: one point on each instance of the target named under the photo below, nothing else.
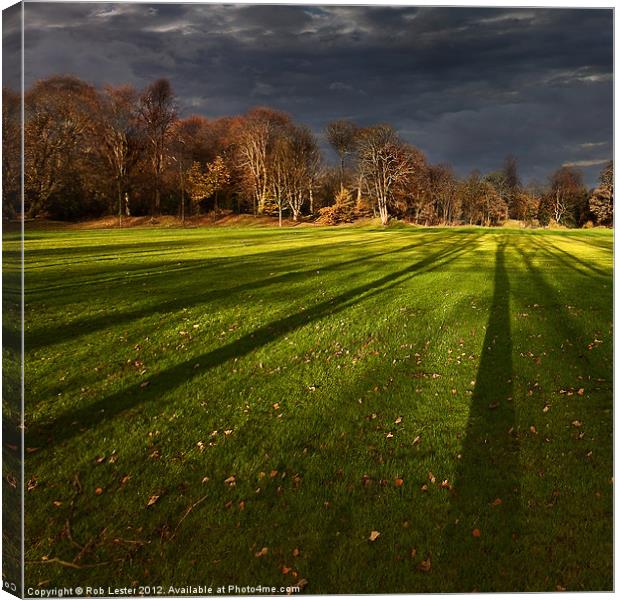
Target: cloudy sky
(466, 85)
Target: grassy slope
(287, 358)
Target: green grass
(317, 366)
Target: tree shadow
(480, 540)
(58, 333)
(578, 260)
(63, 427)
(565, 262)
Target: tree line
(117, 150)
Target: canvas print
(306, 299)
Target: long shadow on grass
(49, 336)
(484, 517)
(565, 323)
(543, 245)
(583, 263)
(168, 379)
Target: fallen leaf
(496, 502)
(230, 481)
(416, 440)
(398, 420)
(476, 533)
(445, 484)
(152, 500)
(262, 552)
(576, 423)
(425, 565)
(389, 435)
(99, 491)
(296, 551)
(373, 535)
(431, 477)
(144, 384)
(398, 482)
(424, 488)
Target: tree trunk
(120, 203)
(279, 214)
(383, 212)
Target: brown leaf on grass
(398, 420)
(373, 535)
(262, 552)
(273, 473)
(99, 491)
(580, 391)
(32, 483)
(431, 477)
(389, 435)
(398, 482)
(533, 429)
(576, 423)
(99, 460)
(231, 481)
(296, 552)
(546, 408)
(125, 479)
(445, 485)
(152, 500)
(416, 440)
(144, 384)
(476, 533)
(496, 502)
(425, 565)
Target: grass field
(278, 395)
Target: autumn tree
(565, 197)
(204, 183)
(60, 147)
(158, 113)
(601, 200)
(11, 151)
(341, 211)
(443, 189)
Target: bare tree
(118, 131)
(384, 163)
(342, 136)
(255, 148)
(158, 113)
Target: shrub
(342, 211)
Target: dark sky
(466, 85)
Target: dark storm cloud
(466, 85)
